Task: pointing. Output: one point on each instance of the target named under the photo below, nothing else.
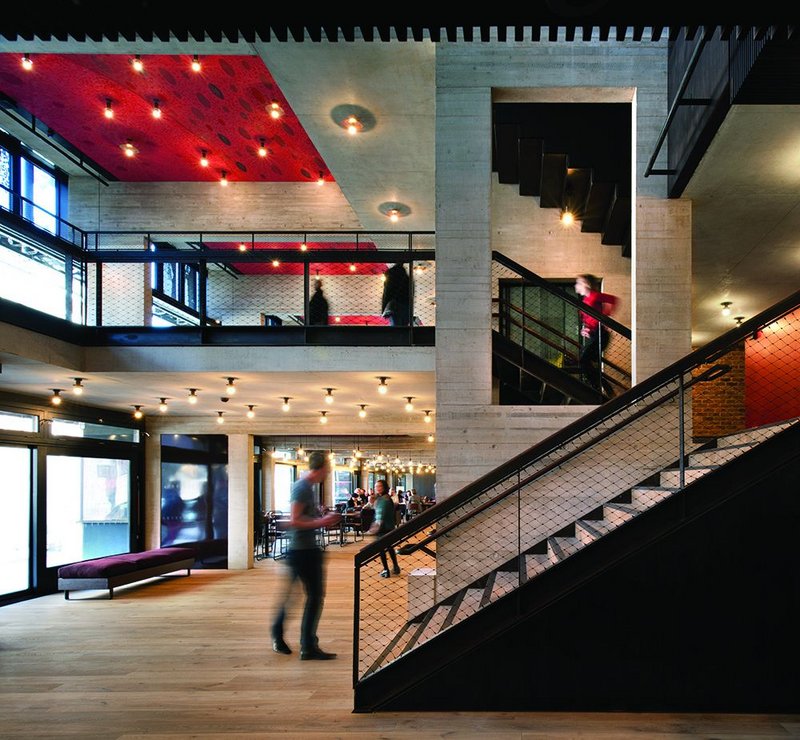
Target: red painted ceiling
(222, 109)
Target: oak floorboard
(182, 658)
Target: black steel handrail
(540, 282)
(706, 354)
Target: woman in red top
(595, 334)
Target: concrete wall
(469, 212)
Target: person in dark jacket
(396, 300)
(318, 307)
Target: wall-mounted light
(56, 399)
(192, 396)
(262, 148)
(137, 64)
(137, 412)
(77, 386)
(223, 180)
(27, 62)
(275, 110)
(203, 158)
(363, 412)
(409, 405)
(329, 395)
(285, 407)
(230, 388)
(726, 307)
(220, 417)
(250, 412)
(427, 417)
(196, 66)
(323, 417)
(109, 111)
(383, 389)
(156, 112)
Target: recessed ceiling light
(137, 64)
(275, 110)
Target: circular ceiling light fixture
(393, 210)
(354, 119)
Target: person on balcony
(396, 299)
(318, 307)
(595, 335)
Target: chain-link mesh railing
(586, 480)
(545, 319)
(266, 279)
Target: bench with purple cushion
(118, 570)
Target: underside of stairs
(572, 157)
(666, 598)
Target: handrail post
(681, 444)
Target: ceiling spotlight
(738, 320)
(196, 67)
(352, 125)
(726, 307)
(250, 413)
(192, 395)
(323, 417)
(242, 247)
(276, 263)
(304, 248)
(220, 417)
(137, 412)
(321, 179)
(129, 149)
(26, 62)
(136, 63)
(56, 399)
(409, 405)
(77, 386)
(230, 388)
(262, 148)
(275, 110)
(203, 158)
(156, 108)
(382, 387)
(363, 412)
(300, 451)
(109, 111)
(223, 180)
(329, 395)
(331, 456)
(352, 267)
(162, 405)
(285, 406)
(394, 210)
(430, 438)
(394, 215)
(567, 218)
(427, 417)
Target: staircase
(543, 170)
(623, 563)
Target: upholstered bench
(118, 570)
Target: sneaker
(316, 654)
(385, 574)
(279, 646)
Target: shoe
(385, 574)
(316, 654)
(279, 646)
(396, 570)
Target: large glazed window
(15, 522)
(88, 504)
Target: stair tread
(505, 582)
(562, 547)
(469, 604)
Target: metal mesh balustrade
(544, 318)
(593, 477)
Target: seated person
(414, 503)
(352, 503)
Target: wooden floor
(190, 657)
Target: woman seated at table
(353, 502)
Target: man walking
(305, 560)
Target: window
(5, 179)
(39, 196)
(88, 430)
(15, 522)
(19, 422)
(176, 290)
(284, 479)
(342, 486)
(88, 504)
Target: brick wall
(718, 406)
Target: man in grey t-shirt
(305, 561)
